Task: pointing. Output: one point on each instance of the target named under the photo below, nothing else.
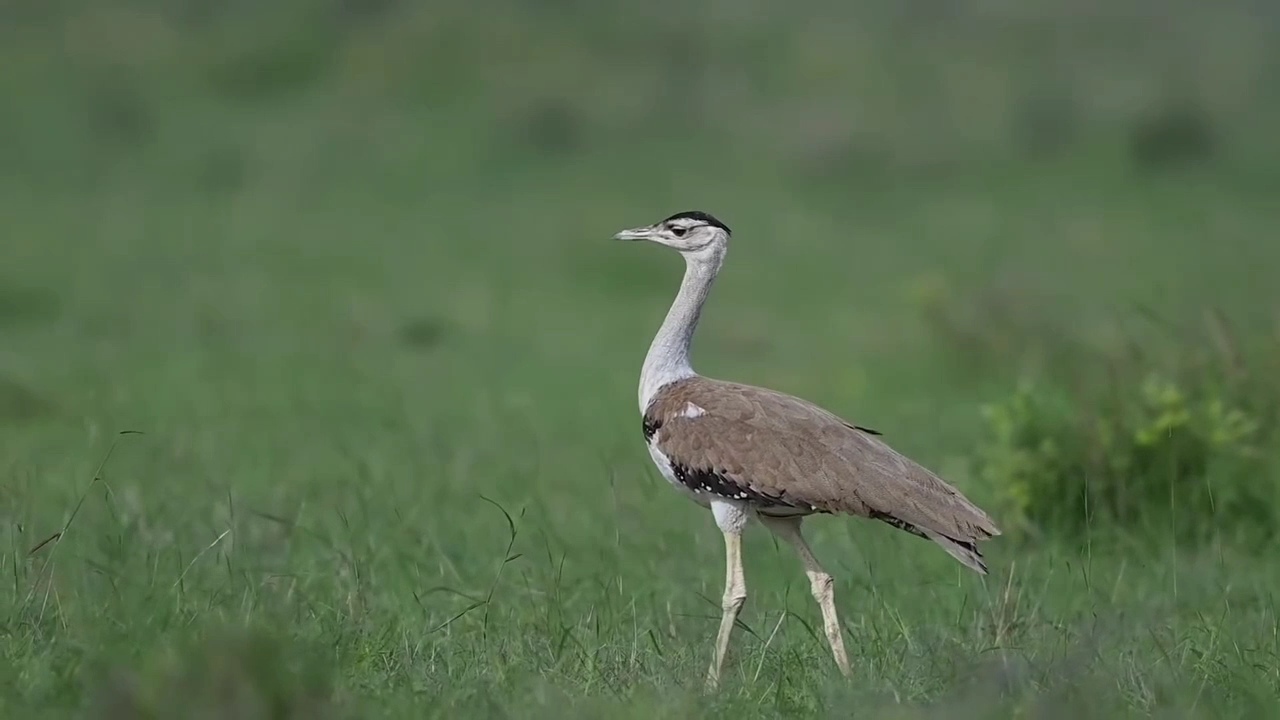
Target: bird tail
(966, 552)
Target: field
(318, 367)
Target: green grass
(383, 360)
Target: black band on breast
(717, 484)
(650, 427)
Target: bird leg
(735, 594)
(820, 584)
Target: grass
(383, 366)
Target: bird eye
(678, 231)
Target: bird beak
(640, 233)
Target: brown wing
(782, 447)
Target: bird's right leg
(731, 518)
(735, 594)
(820, 583)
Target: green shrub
(1177, 455)
(1166, 433)
(1153, 426)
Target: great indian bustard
(745, 451)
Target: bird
(748, 452)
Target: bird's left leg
(820, 583)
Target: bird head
(692, 232)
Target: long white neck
(668, 357)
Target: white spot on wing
(692, 411)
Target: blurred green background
(345, 264)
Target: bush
(1173, 451)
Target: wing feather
(784, 447)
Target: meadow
(318, 367)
